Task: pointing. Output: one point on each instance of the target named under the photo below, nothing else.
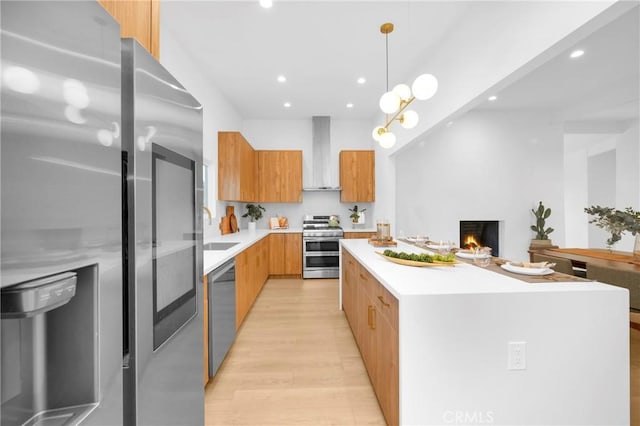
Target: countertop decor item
(357, 216)
(542, 232)
(616, 222)
(416, 263)
(397, 100)
(254, 211)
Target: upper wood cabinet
(357, 176)
(236, 168)
(139, 19)
(279, 176)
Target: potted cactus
(542, 232)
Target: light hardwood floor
(295, 362)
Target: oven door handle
(321, 253)
(314, 239)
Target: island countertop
(462, 278)
(457, 330)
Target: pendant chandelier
(396, 101)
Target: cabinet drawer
(386, 304)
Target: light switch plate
(517, 356)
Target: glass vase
(636, 247)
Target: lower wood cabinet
(372, 312)
(352, 235)
(285, 254)
(252, 270)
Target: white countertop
(214, 258)
(463, 278)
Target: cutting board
(225, 227)
(233, 222)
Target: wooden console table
(580, 257)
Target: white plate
(416, 239)
(438, 247)
(467, 255)
(526, 271)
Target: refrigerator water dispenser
(49, 349)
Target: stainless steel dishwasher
(222, 313)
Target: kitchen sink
(218, 246)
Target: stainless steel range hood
(320, 167)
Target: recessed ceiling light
(576, 54)
(282, 78)
(449, 124)
(266, 3)
(362, 80)
(493, 98)
(287, 104)
(349, 105)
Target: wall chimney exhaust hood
(321, 161)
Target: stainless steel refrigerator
(162, 139)
(100, 235)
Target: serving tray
(415, 263)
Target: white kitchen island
(455, 327)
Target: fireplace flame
(470, 242)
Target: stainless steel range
(321, 246)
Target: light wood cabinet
(357, 176)
(139, 19)
(352, 235)
(251, 273)
(279, 176)
(285, 254)
(236, 168)
(372, 312)
(205, 337)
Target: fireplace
(480, 233)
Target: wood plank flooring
(295, 362)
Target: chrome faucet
(206, 209)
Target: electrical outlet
(517, 356)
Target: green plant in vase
(616, 222)
(255, 213)
(357, 216)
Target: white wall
(218, 113)
(486, 166)
(296, 134)
(579, 148)
(477, 60)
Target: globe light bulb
(387, 140)
(376, 133)
(403, 91)
(424, 87)
(389, 102)
(409, 119)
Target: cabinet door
(349, 291)
(352, 235)
(138, 19)
(291, 184)
(293, 254)
(247, 171)
(386, 377)
(276, 253)
(236, 164)
(357, 176)
(279, 176)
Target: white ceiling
(601, 85)
(322, 47)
